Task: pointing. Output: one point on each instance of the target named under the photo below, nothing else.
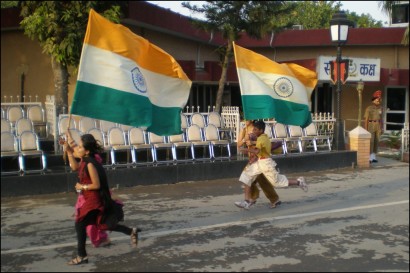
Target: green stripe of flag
(260, 106)
(109, 104)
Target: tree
(387, 7)
(313, 14)
(363, 20)
(8, 4)
(59, 27)
(317, 15)
(234, 18)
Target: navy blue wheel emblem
(283, 87)
(138, 80)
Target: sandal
(134, 236)
(78, 260)
(274, 205)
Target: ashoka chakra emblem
(283, 87)
(138, 80)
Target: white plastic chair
(105, 127)
(37, 115)
(194, 135)
(279, 135)
(86, 124)
(295, 137)
(29, 147)
(319, 141)
(198, 119)
(142, 152)
(9, 153)
(269, 131)
(14, 113)
(212, 135)
(117, 143)
(63, 124)
(22, 125)
(180, 145)
(159, 144)
(216, 119)
(5, 125)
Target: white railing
(404, 140)
(325, 123)
(51, 116)
(231, 119)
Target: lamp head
(339, 27)
(360, 85)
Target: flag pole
(68, 134)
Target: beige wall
(17, 49)
(179, 48)
(390, 56)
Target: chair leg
(22, 166)
(314, 145)
(44, 161)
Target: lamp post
(22, 70)
(360, 87)
(339, 28)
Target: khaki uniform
(373, 116)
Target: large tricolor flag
(124, 78)
(273, 90)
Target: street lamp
(360, 87)
(339, 28)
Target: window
(395, 108)
(400, 14)
(322, 99)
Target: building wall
(179, 48)
(16, 49)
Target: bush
(391, 140)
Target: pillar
(359, 139)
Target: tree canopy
(317, 15)
(59, 27)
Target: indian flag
(273, 90)
(124, 78)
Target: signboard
(344, 71)
(367, 70)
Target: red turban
(377, 94)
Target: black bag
(113, 215)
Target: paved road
(350, 220)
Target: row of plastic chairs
(202, 121)
(21, 125)
(147, 148)
(35, 113)
(295, 139)
(25, 146)
(85, 124)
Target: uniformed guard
(373, 124)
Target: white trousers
(267, 167)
